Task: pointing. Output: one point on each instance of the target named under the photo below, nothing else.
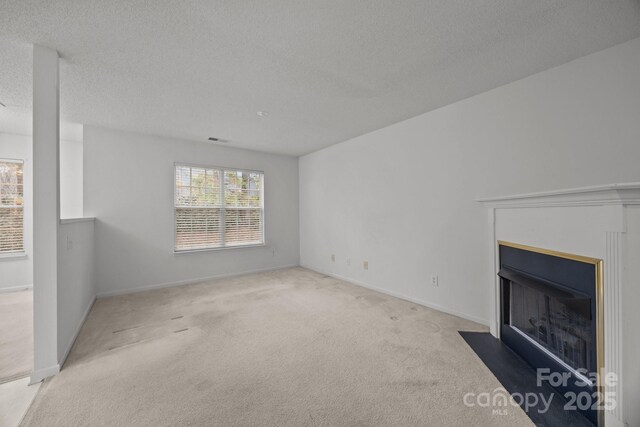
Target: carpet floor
(16, 335)
(289, 348)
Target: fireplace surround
(603, 222)
(551, 314)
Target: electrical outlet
(348, 261)
(333, 257)
(69, 243)
(365, 265)
(434, 280)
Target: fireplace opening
(557, 322)
(549, 313)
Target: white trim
(614, 280)
(196, 165)
(484, 322)
(13, 256)
(611, 200)
(16, 161)
(610, 194)
(612, 421)
(222, 208)
(77, 331)
(16, 289)
(494, 321)
(218, 248)
(42, 374)
(16, 255)
(72, 220)
(189, 281)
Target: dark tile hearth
(516, 376)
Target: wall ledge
(13, 256)
(72, 220)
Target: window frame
(22, 252)
(177, 251)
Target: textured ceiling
(324, 70)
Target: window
(217, 208)
(11, 207)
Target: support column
(46, 210)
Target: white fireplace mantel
(600, 222)
(611, 194)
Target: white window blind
(217, 207)
(11, 206)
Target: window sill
(13, 256)
(223, 248)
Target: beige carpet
(286, 348)
(16, 335)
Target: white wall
(71, 191)
(46, 210)
(76, 280)
(128, 187)
(403, 197)
(17, 273)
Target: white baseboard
(443, 309)
(44, 373)
(76, 332)
(189, 281)
(16, 288)
(610, 420)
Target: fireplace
(551, 315)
